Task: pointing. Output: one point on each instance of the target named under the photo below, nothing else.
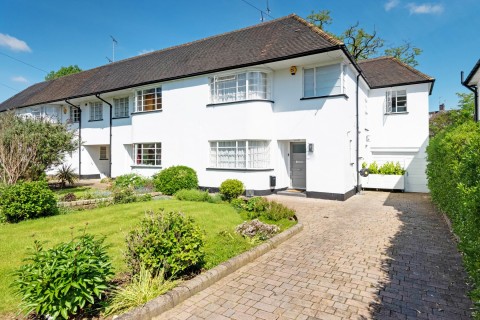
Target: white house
(280, 99)
(472, 82)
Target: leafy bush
(167, 241)
(277, 211)
(193, 195)
(258, 229)
(143, 288)
(27, 200)
(257, 204)
(65, 281)
(388, 168)
(231, 189)
(69, 197)
(124, 195)
(170, 180)
(239, 204)
(66, 174)
(131, 180)
(453, 172)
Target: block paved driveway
(375, 256)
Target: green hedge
(453, 172)
(172, 179)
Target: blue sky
(49, 34)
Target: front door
(298, 165)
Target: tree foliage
(363, 44)
(452, 118)
(30, 146)
(63, 71)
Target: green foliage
(66, 281)
(238, 204)
(170, 180)
(452, 118)
(63, 71)
(388, 168)
(124, 195)
(277, 211)
(406, 53)
(193, 195)
(143, 288)
(66, 174)
(260, 207)
(167, 241)
(27, 200)
(231, 189)
(453, 172)
(132, 180)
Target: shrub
(65, 281)
(69, 197)
(193, 195)
(277, 211)
(239, 204)
(66, 174)
(27, 200)
(167, 241)
(231, 189)
(257, 229)
(257, 204)
(170, 180)
(388, 168)
(143, 288)
(131, 180)
(123, 195)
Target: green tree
(30, 146)
(406, 53)
(63, 71)
(320, 18)
(453, 118)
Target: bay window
(240, 154)
(250, 85)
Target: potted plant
(388, 176)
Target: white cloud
(425, 8)
(145, 51)
(390, 4)
(19, 79)
(13, 43)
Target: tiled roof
(275, 40)
(387, 71)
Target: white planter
(382, 181)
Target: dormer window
(252, 85)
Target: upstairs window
(149, 154)
(396, 101)
(323, 81)
(148, 100)
(96, 111)
(242, 154)
(74, 114)
(239, 87)
(120, 108)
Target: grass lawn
(114, 222)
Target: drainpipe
(474, 89)
(79, 137)
(357, 127)
(110, 142)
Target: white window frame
(139, 153)
(245, 161)
(74, 114)
(96, 111)
(121, 107)
(342, 72)
(103, 153)
(140, 98)
(391, 101)
(243, 92)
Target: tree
(29, 146)
(364, 45)
(453, 118)
(63, 71)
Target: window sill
(395, 113)
(102, 159)
(323, 97)
(145, 166)
(142, 112)
(95, 120)
(115, 118)
(240, 101)
(237, 169)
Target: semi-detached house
(280, 99)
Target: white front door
(298, 165)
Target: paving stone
(377, 256)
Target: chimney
(441, 107)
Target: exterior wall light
(311, 147)
(293, 70)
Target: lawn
(114, 222)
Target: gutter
(110, 141)
(79, 138)
(474, 89)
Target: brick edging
(185, 290)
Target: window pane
(328, 80)
(308, 82)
